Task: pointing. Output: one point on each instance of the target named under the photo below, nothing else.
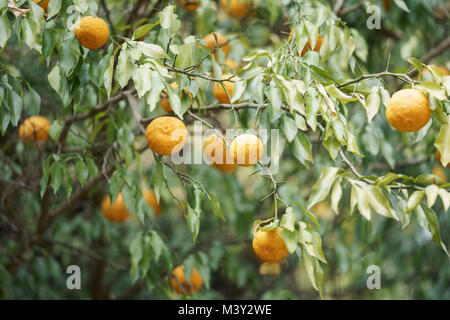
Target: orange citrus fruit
(220, 93)
(166, 135)
(408, 110)
(117, 211)
(42, 3)
(269, 246)
(216, 39)
(91, 32)
(246, 149)
(150, 197)
(34, 128)
(308, 43)
(216, 151)
(235, 8)
(231, 64)
(181, 285)
(438, 171)
(189, 5)
(165, 102)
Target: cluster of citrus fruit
(234, 8)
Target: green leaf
(416, 64)
(143, 30)
(55, 130)
(442, 142)
(215, 204)
(81, 171)
(431, 192)
(360, 198)
(5, 30)
(336, 195)
(15, 106)
(54, 78)
(290, 239)
(379, 202)
(322, 187)
(57, 175)
(288, 220)
(108, 76)
(53, 8)
(289, 128)
(302, 148)
(152, 50)
(402, 5)
(372, 106)
(158, 179)
(68, 55)
(427, 218)
(433, 89)
(414, 200)
(193, 221)
(169, 21)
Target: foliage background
(36, 181)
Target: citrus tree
(269, 149)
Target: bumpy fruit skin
(211, 42)
(216, 151)
(408, 110)
(166, 135)
(219, 92)
(246, 149)
(165, 101)
(438, 158)
(34, 128)
(117, 211)
(438, 171)
(308, 43)
(179, 283)
(43, 4)
(150, 197)
(235, 8)
(92, 33)
(269, 246)
(189, 5)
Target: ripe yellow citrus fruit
(235, 8)
(216, 39)
(43, 4)
(150, 197)
(269, 246)
(117, 211)
(220, 93)
(166, 135)
(34, 128)
(246, 149)
(308, 43)
(408, 110)
(165, 101)
(269, 268)
(216, 151)
(91, 32)
(181, 285)
(322, 210)
(438, 171)
(189, 5)
(231, 64)
(438, 158)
